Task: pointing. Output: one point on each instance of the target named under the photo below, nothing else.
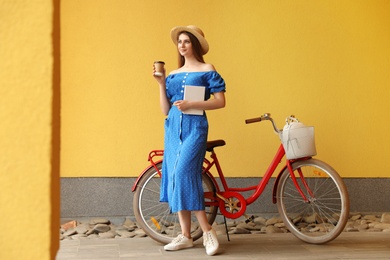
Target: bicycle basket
(297, 139)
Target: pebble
(99, 221)
(385, 218)
(238, 230)
(101, 228)
(81, 229)
(108, 234)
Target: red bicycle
(305, 188)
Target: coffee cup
(159, 67)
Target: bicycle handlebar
(266, 116)
(253, 120)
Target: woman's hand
(182, 105)
(164, 102)
(160, 79)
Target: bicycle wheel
(324, 215)
(154, 217)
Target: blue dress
(185, 143)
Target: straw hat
(197, 32)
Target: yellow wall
(29, 167)
(327, 62)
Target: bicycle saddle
(212, 144)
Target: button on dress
(185, 143)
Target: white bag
(298, 139)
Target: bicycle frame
(259, 188)
(215, 197)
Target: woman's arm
(164, 102)
(213, 103)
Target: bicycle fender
(214, 181)
(276, 184)
(142, 174)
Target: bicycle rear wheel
(154, 217)
(323, 217)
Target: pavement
(349, 245)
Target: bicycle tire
(154, 217)
(324, 216)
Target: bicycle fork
(297, 186)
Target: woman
(186, 135)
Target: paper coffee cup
(159, 65)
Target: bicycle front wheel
(324, 214)
(154, 217)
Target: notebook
(194, 93)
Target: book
(194, 93)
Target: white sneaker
(180, 242)
(210, 242)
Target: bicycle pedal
(250, 219)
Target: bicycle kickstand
(226, 228)
(248, 219)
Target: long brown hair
(196, 47)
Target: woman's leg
(202, 219)
(185, 222)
